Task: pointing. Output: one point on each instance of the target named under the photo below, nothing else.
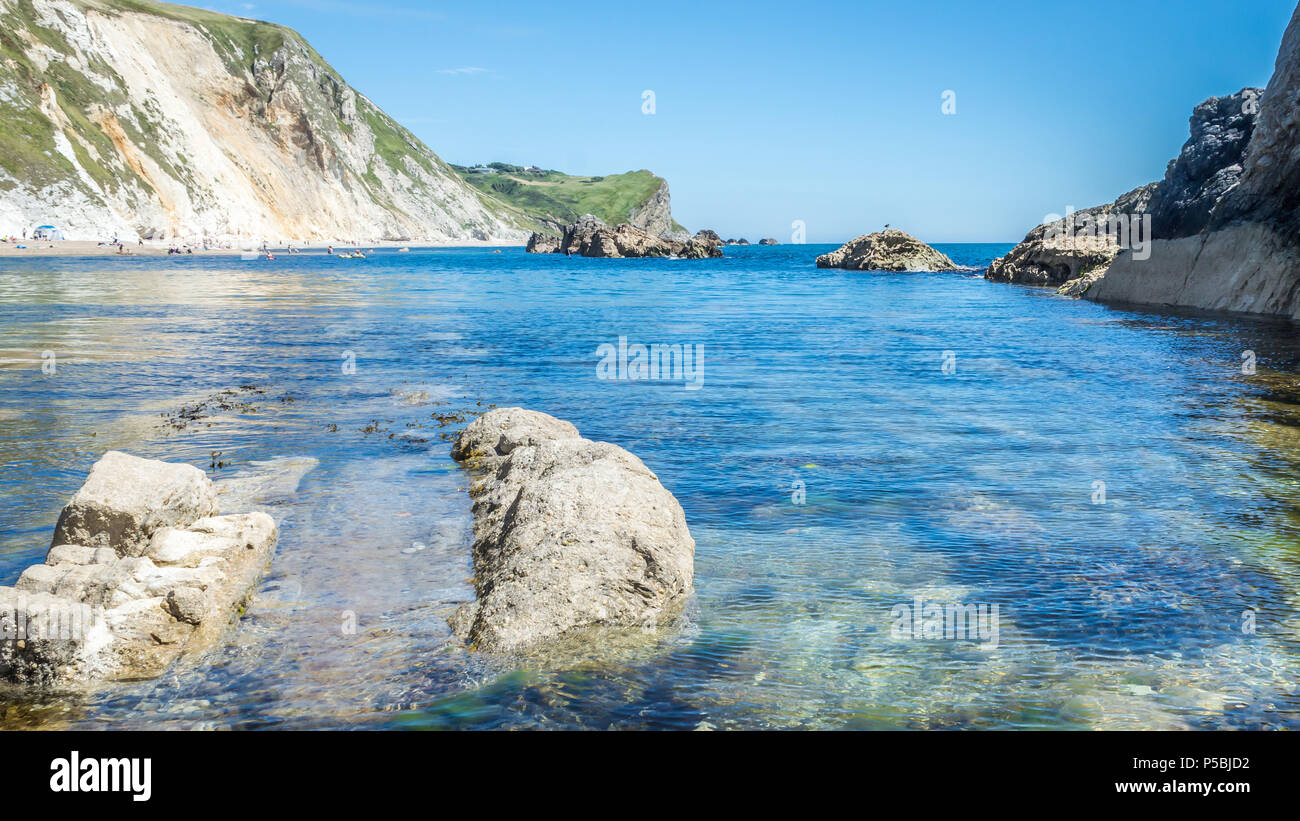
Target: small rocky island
(591, 237)
(568, 534)
(142, 570)
(888, 250)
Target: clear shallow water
(975, 486)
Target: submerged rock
(888, 250)
(568, 534)
(160, 575)
(591, 237)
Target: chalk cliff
(129, 117)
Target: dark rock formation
(543, 244)
(1072, 247)
(591, 237)
(768, 241)
(888, 250)
(1208, 166)
(1084, 246)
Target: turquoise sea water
(1110, 479)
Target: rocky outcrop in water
(1225, 220)
(1247, 258)
(591, 237)
(768, 241)
(540, 243)
(141, 571)
(568, 534)
(888, 250)
(708, 235)
(1069, 248)
(1074, 252)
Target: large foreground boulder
(568, 534)
(888, 250)
(589, 236)
(142, 571)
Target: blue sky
(825, 112)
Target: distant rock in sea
(768, 241)
(591, 237)
(568, 534)
(543, 244)
(888, 250)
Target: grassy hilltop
(557, 198)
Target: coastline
(87, 248)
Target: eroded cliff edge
(1219, 232)
(1248, 256)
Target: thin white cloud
(463, 70)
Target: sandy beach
(81, 248)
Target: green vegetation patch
(564, 198)
(392, 142)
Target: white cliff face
(182, 124)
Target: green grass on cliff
(563, 198)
